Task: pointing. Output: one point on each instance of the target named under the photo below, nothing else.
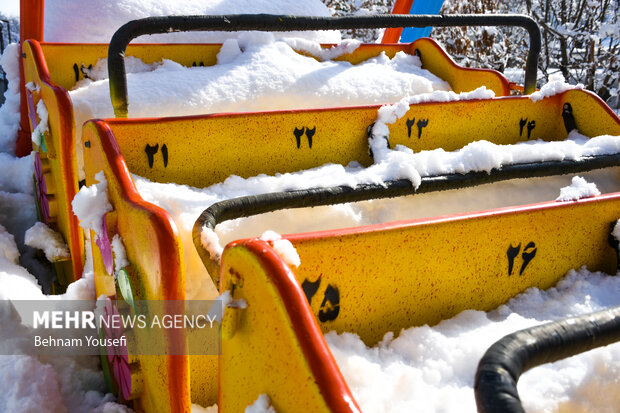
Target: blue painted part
(420, 7)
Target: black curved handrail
(500, 367)
(273, 23)
(257, 204)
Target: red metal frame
(392, 34)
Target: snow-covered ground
(427, 369)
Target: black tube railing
(257, 204)
(504, 362)
(273, 23)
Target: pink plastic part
(103, 242)
(117, 355)
(41, 188)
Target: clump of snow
(283, 247)
(51, 242)
(313, 48)
(196, 408)
(103, 17)
(578, 189)
(616, 231)
(211, 242)
(8, 248)
(120, 255)
(556, 85)
(398, 163)
(42, 126)
(91, 204)
(485, 156)
(261, 405)
(229, 51)
(389, 114)
(9, 111)
(32, 87)
(222, 302)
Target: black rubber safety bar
(500, 367)
(274, 23)
(257, 204)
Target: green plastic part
(125, 287)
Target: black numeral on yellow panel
(421, 124)
(530, 126)
(298, 133)
(151, 151)
(330, 306)
(528, 254)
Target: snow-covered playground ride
(367, 280)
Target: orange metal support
(392, 34)
(31, 14)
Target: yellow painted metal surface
(204, 379)
(429, 270)
(67, 61)
(217, 146)
(592, 116)
(59, 162)
(264, 354)
(156, 271)
(437, 61)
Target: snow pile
(556, 85)
(51, 242)
(38, 134)
(485, 156)
(17, 207)
(257, 73)
(8, 248)
(314, 49)
(283, 247)
(389, 114)
(91, 204)
(261, 405)
(399, 161)
(616, 231)
(35, 383)
(578, 189)
(431, 369)
(120, 254)
(223, 301)
(104, 17)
